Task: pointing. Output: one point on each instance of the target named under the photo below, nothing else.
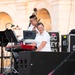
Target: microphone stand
(2, 57)
(11, 70)
(11, 38)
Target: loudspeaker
(71, 44)
(41, 63)
(64, 43)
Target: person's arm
(41, 46)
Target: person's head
(33, 20)
(40, 27)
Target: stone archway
(45, 18)
(4, 19)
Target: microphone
(8, 24)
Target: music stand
(3, 43)
(11, 37)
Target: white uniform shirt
(43, 37)
(31, 27)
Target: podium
(5, 37)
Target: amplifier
(64, 43)
(42, 63)
(71, 43)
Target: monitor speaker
(41, 63)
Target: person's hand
(34, 28)
(36, 50)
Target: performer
(33, 23)
(42, 41)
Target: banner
(54, 41)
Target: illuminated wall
(19, 12)
(66, 16)
(57, 15)
(61, 13)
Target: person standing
(33, 23)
